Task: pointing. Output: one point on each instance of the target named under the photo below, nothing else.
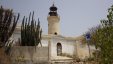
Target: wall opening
(55, 33)
(59, 49)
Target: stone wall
(29, 54)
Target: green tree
(102, 38)
(105, 39)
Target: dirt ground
(4, 58)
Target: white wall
(44, 42)
(67, 46)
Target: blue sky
(76, 16)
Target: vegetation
(102, 38)
(30, 32)
(8, 22)
(105, 39)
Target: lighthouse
(53, 21)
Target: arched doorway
(59, 49)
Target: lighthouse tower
(53, 21)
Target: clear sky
(76, 16)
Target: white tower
(53, 21)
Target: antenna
(53, 1)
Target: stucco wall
(83, 51)
(53, 24)
(68, 46)
(29, 53)
(44, 42)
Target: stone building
(59, 47)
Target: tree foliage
(8, 22)
(102, 38)
(30, 32)
(105, 38)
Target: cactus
(30, 32)
(8, 22)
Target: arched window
(59, 49)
